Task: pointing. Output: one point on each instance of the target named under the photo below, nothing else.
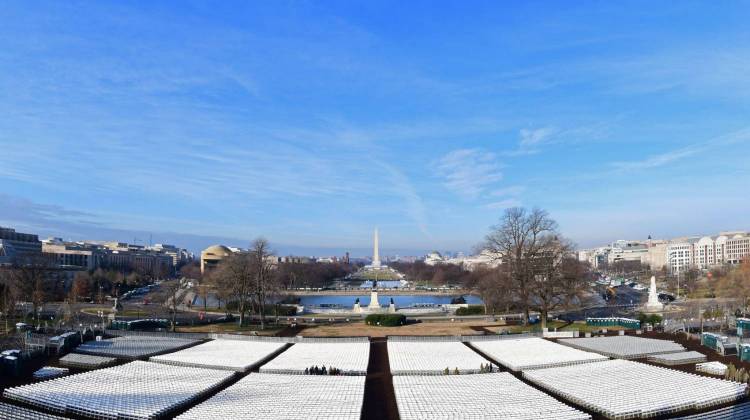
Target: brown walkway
(380, 400)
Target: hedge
(385, 320)
(471, 310)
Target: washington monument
(375, 251)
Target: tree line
(36, 279)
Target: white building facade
(708, 251)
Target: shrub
(385, 320)
(470, 310)
(649, 319)
(284, 310)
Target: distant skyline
(311, 123)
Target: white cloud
(535, 137)
(469, 172)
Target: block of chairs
(134, 347)
(350, 358)
(713, 368)
(136, 390)
(621, 389)
(49, 372)
(681, 358)
(275, 396)
(236, 355)
(12, 412)
(624, 347)
(494, 395)
(734, 412)
(433, 358)
(533, 353)
(86, 361)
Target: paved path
(380, 400)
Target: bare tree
(265, 283)
(32, 279)
(203, 291)
(234, 281)
(172, 290)
(737, 284)
(493, 285)
(517, 241)
(559, 278)
(8, 295)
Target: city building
(472, 262)
(179, 256)
(295, 259)
(678, 254)
(109, 255)
(14, 245)
(651, 252)
(212, 256)
(72, 255)
(708, 251)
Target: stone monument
(374, 304)
(392, 307)
(653, 304)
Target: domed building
(211, 256)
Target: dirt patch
(360, 329)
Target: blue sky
(311, 123)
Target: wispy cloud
(656, 161)
(508, 191)
(403, 187)
(672, 156)
(18, 209)
(535, 137)
(503, 204)
(469, 172)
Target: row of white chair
(533, 353)
(236, 355)
(49, 372)
(131, 347)
(494, 395)
(86, 361)
(433, 358)
(681, 358)
(12, 412)
(713, 368)
(274, 396)
(624, 346)
(351, 358)
(137, 390)
(622, 389)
